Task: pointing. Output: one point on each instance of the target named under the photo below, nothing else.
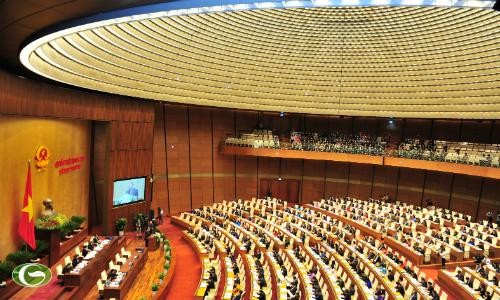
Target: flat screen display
(126, 191)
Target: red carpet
(433, 274)
(188, 268)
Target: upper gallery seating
(459, 152)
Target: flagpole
(25, 244)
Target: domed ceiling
(423, 62)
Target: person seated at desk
(113, 273)
(261, 295)
(391, 276)
(75, 261)
(483, 273)
(85, 251)
(95, 239)
(460, 275)
(380, 293)
(67, 268)
(414, 295)
(348, 293)
(382, 268)
(367, 281)
(237, 288)
(211, 280)
(340, 282)
(400, 289)
(434, 295)
(237, 296)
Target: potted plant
(155, 287)
(6, 268)
(77, 221)
(66, 229)
(161, 277)
(41, 247)
(20, 257)
(120, 225)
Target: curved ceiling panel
(439, 62)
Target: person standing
(160, 215)
(489, 215)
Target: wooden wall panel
(476, 131)
(385, 181)
(447, 130)
(200, 139)
(159, 167)
(294, 121)
(360, 181)
(391, 129)
(489, 199)
(438, 188)
(291, 169)
(317, 124)
(131, 135)
(246, 167)
(341, 124)
(337, 179)
(313, 183)
(224, 180)
(416, 128)
(495, 135)
(410, 186)
(268, 168)
(31, 98)
(465, 194)
(127, 164)
(178, 160)
(365, 125)
(273, 121)
(246, 177)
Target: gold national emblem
(42, 157)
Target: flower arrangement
(53, 222)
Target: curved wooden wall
(448, 167)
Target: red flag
(26, 227)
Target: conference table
(89, 269)
(132, 267)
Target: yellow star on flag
(29, 209)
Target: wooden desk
(415, 257)
(452, 284)
(362, 227)
(483, 281)
(133, 266)
(411, 281)
(381, 279)
(94, 267)
(363, 291)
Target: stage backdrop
(69, 189)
